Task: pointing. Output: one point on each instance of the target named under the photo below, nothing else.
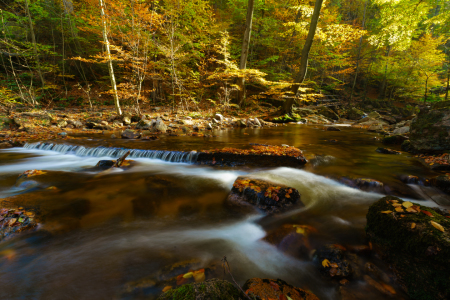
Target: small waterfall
(169, 156)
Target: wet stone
(261, 289)
(332, 262)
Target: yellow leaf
(167, 288)
(411, 210)
(407, 204)
(386, 212)
(413, 225)
(188, 275)
(437, 226)
(399, 209)
(325, 263)
(199, 277)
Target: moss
(420, 255)
(429, 131)
(394, 140)
(214, 289)
(287, 118)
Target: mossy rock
(406, 146)
(328, 113)
(287, 118)
(261, 289)
(429, 131)
(213, 289)
(354, 114)
(6, 123)
(418, 252)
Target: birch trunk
(245, 48)
(110, 65)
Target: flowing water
(102, 230)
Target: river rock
(5, 145)
(211, 289)
(430, 129)
(394, 140)
(291, 239)
(262, 289)
(267, 196)
(402, 130)
(160, 126)
(332, 128)
(355, 114)
(241, 123)
(328, 113)
(374, 115)
(130, 134)
(62, 134)
(417, 251)
(13, 221)
(126, 119)
(257, 122)
(218, 117)
(387, 151)
(332, 262)
(144, 124)
(6, 123)
(62, 123)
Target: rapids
(104, 230)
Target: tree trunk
(426, 87)
(287, 107)
(33, 39)
(359, 52)
(245, 47)
(110, 65)
(383, 83)
(448, 85)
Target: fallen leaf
(407, 204)
(386, 212)
(437, 226)
(396, 205)
(413, 225)
(325, 263)
(399, 209)
(12, 221)
(188, 275)
(199, 277)
(411, 210)
(167, 288)
(427, 213)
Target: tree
(287, 107)
(110, 64)
(245, 47)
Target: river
(101, 231)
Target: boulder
(130, 134)
(291, 239)
(77, 124)
(126, 120)
(328, 113)
(332, 128)
(5, 145)
(388, 119)
(257, 122)
(374, 115)
(267, 196)
(144, 124)
(355, 114)
(262, 289)
(160, 126)
(415, 241)
(430, 129)
(210, 289)
(62, 123)
(401, 130)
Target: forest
(197, 54)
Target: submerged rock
(355, 114)
(332, 262)
(415, 241)
(13, 221)
(387, 151)
(291, 239)
(262, 289)
(332, 128)
(267, 196)
(130, 134)
(211, 289)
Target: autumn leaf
(427, 213)
(188, 275)
(437, 226)
(413, 225)
(407, 204)
(386, 212)
(167, 288)
(325, 263)
(399, 209)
